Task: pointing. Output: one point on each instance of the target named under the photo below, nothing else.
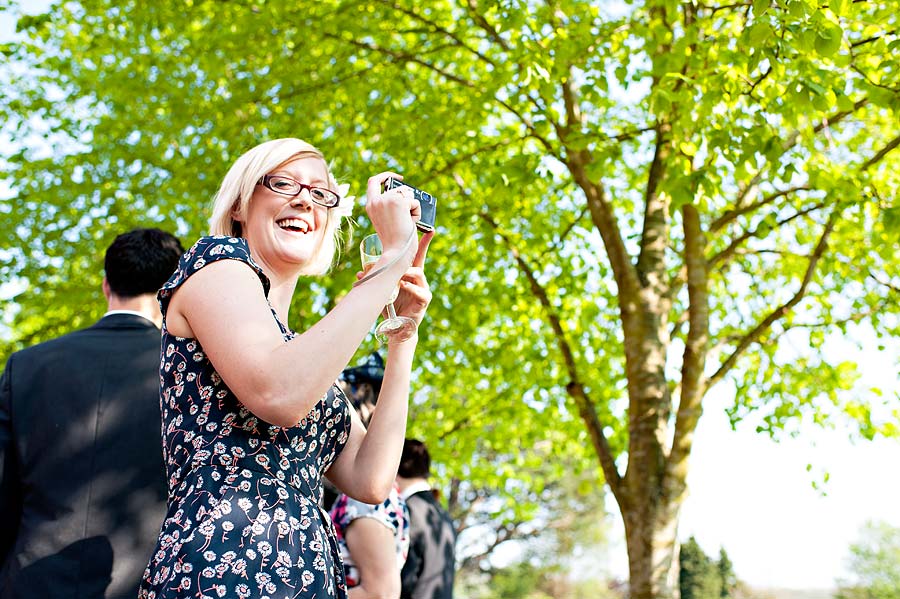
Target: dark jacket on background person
(82, 482)
(430, 563)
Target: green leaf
(760, 7)
(828, 39)
(838, 7)
(760, 33)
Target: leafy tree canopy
(637, 201)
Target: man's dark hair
(414, 461)
(140, 261)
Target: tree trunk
(650, 535)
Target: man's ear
(107, 290)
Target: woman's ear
(237, 220)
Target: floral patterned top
(243, 516)
(392, 513)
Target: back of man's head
(141, 261)
(414, 461)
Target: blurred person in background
(373, 538)
(430, 562)
(82, 482)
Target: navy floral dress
(243, 515)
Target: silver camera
(426, 201)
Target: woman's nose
(301, 200)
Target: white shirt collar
(132, 312)
(416, 487)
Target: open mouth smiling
(295, 225)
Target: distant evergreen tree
(701, 577)
(698, 576)
(727, 578)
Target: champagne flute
(398, 328)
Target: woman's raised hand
(393, 213)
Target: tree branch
(485, 406)
(573, 111)
(462, 514)
(654, 236)
(714, 9)
(453, 497)
(437, 29)
(629, 135)
(873, 38)
(487, 27)
(892, 145)
(874, 309)
(792, 141)
(738, 241)
(887, 284)
(604, 219)
(694, 356)
(451, 165)
(400, 57)
(779, 312)
(575, 388)
(334, 81)
(562, 236)
(762, 77)
(505, 533)
(733, 214)
(531, 130)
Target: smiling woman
(252, 418)
(287, 160)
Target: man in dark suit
(82, 482)
(430, 564)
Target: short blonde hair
(239, 185)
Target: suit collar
(125, 320)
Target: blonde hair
(237, 189)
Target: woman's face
(284, 232)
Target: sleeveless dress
(243, 517)
(392, 513)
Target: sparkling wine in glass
(397, 328)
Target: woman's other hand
(415, 294)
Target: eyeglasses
(288, 187)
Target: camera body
(426, 201)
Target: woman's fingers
(415, 275)
(424, 242)
(373, 185)
(415, 294)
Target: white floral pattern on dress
(243, 518)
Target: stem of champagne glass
(391, 313)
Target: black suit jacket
(82, 482)
(430, 563)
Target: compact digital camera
(426, 201)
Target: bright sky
(755, 497)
